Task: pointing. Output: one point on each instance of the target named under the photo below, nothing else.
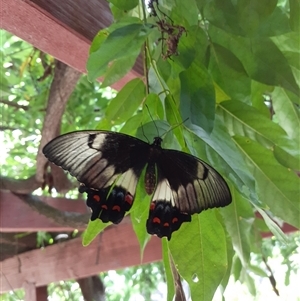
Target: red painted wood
(117, 248)
(39, 28)
(16, 216)
(30, 291)
(42, 293)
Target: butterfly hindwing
(108, 204)
(164, 219)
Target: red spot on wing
(96, 198)
(129, 199)
(174, 220)
(166, 224)
(117, 208)
(156, 220)
(104, 207)
(152, 206)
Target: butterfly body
(110, 164)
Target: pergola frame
(64, 29)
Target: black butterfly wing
(98, 158)
(107, 163)
(186, 185)
(108, 204)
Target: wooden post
(30, 291)
(42, 293)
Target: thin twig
(271, 277)
(14, 104)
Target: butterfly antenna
(144, 133)
(152, 120)
(175, 126)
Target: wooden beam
(16, 216)
(37, 26)
(116, 248)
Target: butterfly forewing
(97, 158)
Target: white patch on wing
(98, 141)
(200, 170)
(191, 195)
(100, 180)
(92, 170)
(108, 172)
(163, 192)
(183, 199)
(128, 181)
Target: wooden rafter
(116, 248)
(63, 29)
(16, 216)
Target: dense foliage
(229, 70)
(225, 76)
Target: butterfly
(108, 165)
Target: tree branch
(22, 186)
(14, 104)
(64, 82)
(63, 218)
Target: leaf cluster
(233, 87)
(230, 94)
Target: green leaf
(261, 58)
(132, 124)
(286, 159)
(236, 267)
(127, 101)
(220, 142)
(247, 278)
(258, 271)
(252, 12)
(208, 254)
(258, 90)
(174, 118)
(287, 42)
(229, 73)
(121, 43)
(286, 112)
(125, 4)
(197, 96)
(274, 228)
(188, 51)
(223, 14)
(92, 230)
(168, 271)
(98, 40)
(244, 120)
(278, 187)
(139, 213)
(185, 11)
(230, 254)
(239, 219)
(118, 69)
(294, 14)
(155, 107)
(276, 24)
